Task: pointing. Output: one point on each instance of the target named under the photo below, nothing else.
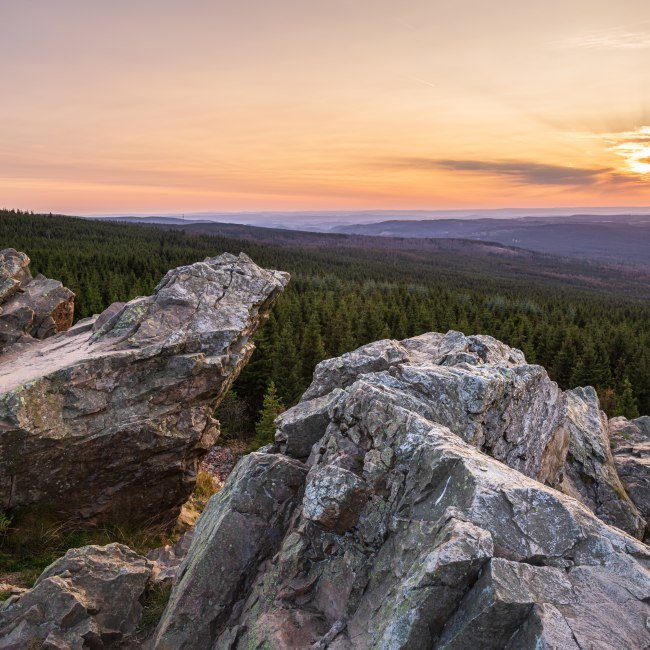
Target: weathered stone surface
(14, 271)
(107, 426)
(408, 536)
(239, 529)
(500, 602)
(89, 598)
(304, 424)
(35, 307)
(589, 473)
(340, 372)
(481, 389)
(630, 442)
(167, 559)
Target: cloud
(633, 146)
(517, 171)
(616, 40)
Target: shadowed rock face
(590, 474)
(404, 534)
(35, 307)
(105, 423)
(631, 449)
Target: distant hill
(622, 239)
(151, 220)
(462, 257)
(585, 321)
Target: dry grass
(34, 540)
(31, 544)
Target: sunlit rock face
(481, 389)
(89, 598)
(106, 422)
(405, 507)
(30, 307)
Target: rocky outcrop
(419, 523)
(89, 598)
(36, 307)
(630, 442)
(106, 422)
(589, 473)
(481, 389)
(239, 530)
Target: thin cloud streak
(517, 171)
(617, 40)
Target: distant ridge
(618, 239)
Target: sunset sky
(167, 106)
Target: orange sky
(169, 106)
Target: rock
(480, 388)
(14, 271)
(630, 441)
(167, 560)
(334, 498)
(304, 424)
(500, 602)
(89, 598)
(113, 422)
(35, 307)
(340, 372)
(239, 529)
(407, 535)
(589, 473)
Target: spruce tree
(626, 403)
(265, 426)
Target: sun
(634, 147)
(638, 159)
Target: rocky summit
(104, 423)
(410, 501)
(437, 492)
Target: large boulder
(630, 442)
(106, 422)
(481, 389)
(407, 535)
(240, 529)
(89, 598)
(35, 307)
(589, 472)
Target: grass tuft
(154, 601)
(34, 542)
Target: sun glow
(634, 146)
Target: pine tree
(626, 403)
(286, 368)
(313, 349)
(265, 426)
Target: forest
(587, 324)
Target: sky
(146, 106)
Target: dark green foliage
(626, 403)
(271, 408)
(584, 323)
(234, 419)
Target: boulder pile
(105, 423)
(35, 307)
(438, 492)
(408, 502)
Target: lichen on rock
(424, 521)
(106, 424)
